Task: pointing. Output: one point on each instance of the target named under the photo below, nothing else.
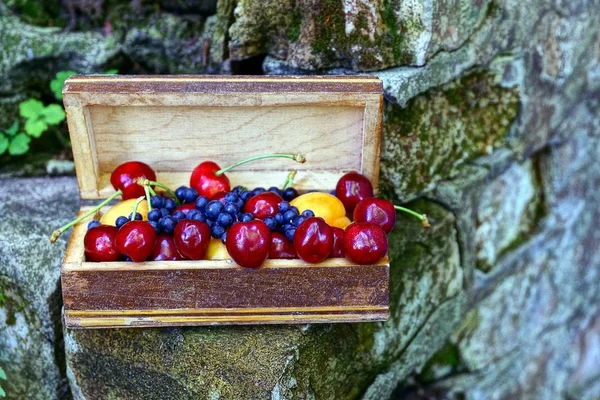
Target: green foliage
(3, 377)
(56, 85)
(38, 117)
(17, 143)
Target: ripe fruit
(377, 211)
(263, 205)
(164, 249)
(217, 250)
(125, 176)
(191, 239)
(281, 247)
(135, 240)
(338, 243)
(324, 205)
(124, 208)
(206, 181)
(352, 188)
(248, 243)
(99, 244)
(365, 243)
(313, 240)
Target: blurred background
(491, 126)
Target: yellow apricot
(324, 205)
(341, 222)
(124, 208)
(217, 250)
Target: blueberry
(276, 190)
(154, 215)
(232, 209)
(290, 215)
(165, 211)
(201, 202)
(209, 222)
(290, 194)
(157, 201)
(225, 219)
(284, 206)
(156, 226)
(121, 221)
(170, 204)
(190, 195)
(224, 237)
(167, 224)
(271, 223)
(287, 227)
(289, 234)
(191, 213)
(138, 216)
(216, 231)
(238, 189)
(213, 209)
(231, 197)
(279, 218)
(308, 213)
(180, 192)
(93, 223)
(179, 215)
(258, 190)
(239, 203)
(246, 217)
(298, 220)
(245, 195)
(295, 209)
(197, 216)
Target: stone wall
(491, 127)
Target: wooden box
(175, 122)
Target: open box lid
(173, 123)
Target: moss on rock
(436, 132)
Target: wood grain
(173, 123)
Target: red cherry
(378, 211)
(125, 176)
(185, 208)
(313, 240)
(281, 247)
(338, 243)
(99, 244)
(365, 243)
(248, 243)
(206, 182)
(352, 188)
(191, 239)
(263, 205)
(135, 240)
(164, 249)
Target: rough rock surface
(31, 350)
(491, 126)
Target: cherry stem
(147, 191)
(60, 230)
(422, 217)
(290, 179)
(296, 157)
(152, 192)
(135, 207)
(145, 182)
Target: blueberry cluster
(287, 219)
(219, 215)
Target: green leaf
(2, 392)
(14, 128)
(53, 114)
(2, 374)
(19, 145)
(35, 127)
(56, 85)
(4, 142)
(111, 72)
(31, 108)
